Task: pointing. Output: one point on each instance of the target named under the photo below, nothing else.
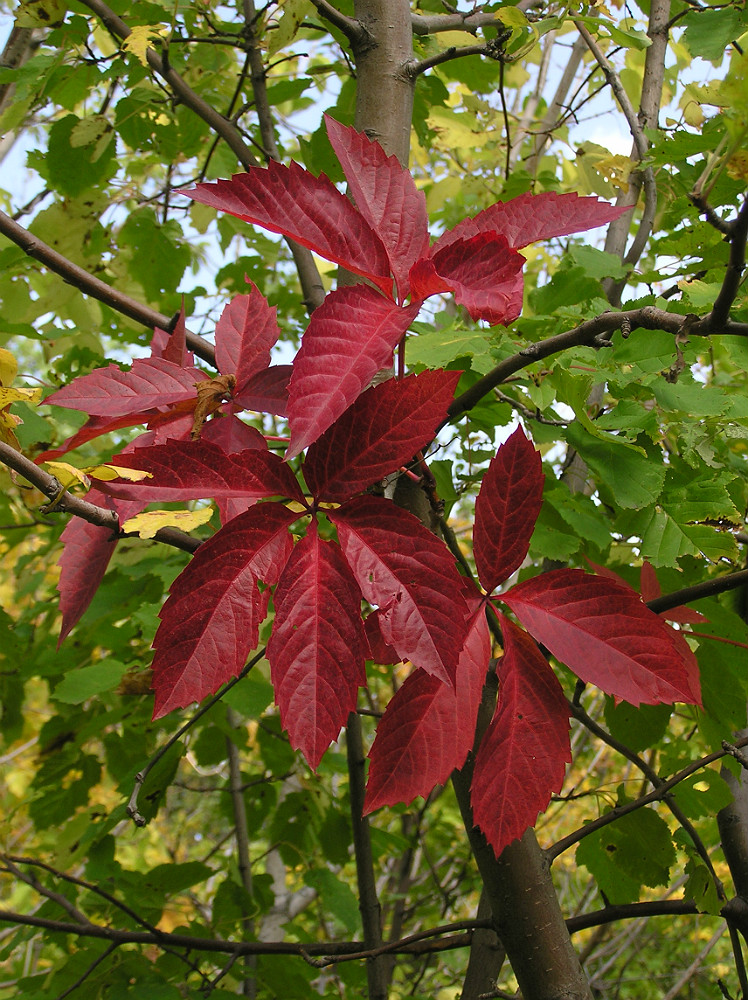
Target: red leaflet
(110, 392)
(350, 337)
(309, 209)
(409, 574)
(209, 624)
(522, 757)
(93, 428)
(245, 333)
(195, 470)
(506, 510)
(387, 197)
(232, 435)
(83, 563)
(379, 651)
(318, 647)
(485, 276)
(267, 391)
(428, 727)
(603, 632)
(533, 217)
(173, 347)
(378, 433)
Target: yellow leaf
(8, 367)
(146, 525)
(40, 13)
(107, 472)
(67, 475)
(8, 424)
(139, 41)
(8, 396)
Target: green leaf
(634, 851)
(639, 728)
(87, 682)
(73, 169)
(633, 479)
(337, 897)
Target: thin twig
(132, 805)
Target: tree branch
(132, 805)
(661, 791)
(735, 268)
(589, 334)
(415, 945)
(453, 52)
(308, 275)
(708, 588)
(432, 24)
(61, 500)
(73, 274)
(351, 28)
(368, 901)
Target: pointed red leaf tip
(409, 574)
(196, 470)
(350, 338)
(210, 621)
(110, 392)
(245, 332)
(533, 217)
(379, 432)
(311, 210)
(428, 727)
(506, 510)
(522, 758)
(387, 197)
(318, 647)
(603, 632)
(173, 346)
(482, 271)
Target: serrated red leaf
(387, 197)
(406, 571)
(506, 510)
(533, 217)
(245, 332)
(88, 548)
(210, 622)
(318, 647)
(267, 391)
(350, 337)
(379, 432)
(173, 347)
(311, 210)
(606, 635)
(522, 757)
(111, 392)
(428, 727)
(197, 470)
(484, 274)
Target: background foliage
(641, 414)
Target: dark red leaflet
(523, 756)
(378, 433)
(318, 647)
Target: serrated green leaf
(634, 479)
(79, 685)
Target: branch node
(739, 754)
